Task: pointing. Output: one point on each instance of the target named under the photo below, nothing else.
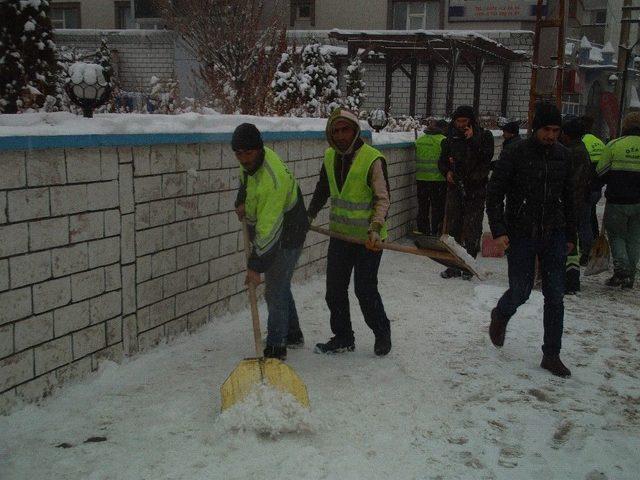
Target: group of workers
(539, 194)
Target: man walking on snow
(271, 202)
(580, 165)
(619, 167)
(354, 177)
(465, 162)
(538, 220)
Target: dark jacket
(580, 163)
(538, 185)
(468, 159)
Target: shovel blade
(251, 372)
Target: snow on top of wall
(64, 123)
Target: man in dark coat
(580, 165)
(464, 162)
(538, 220)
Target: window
(304, 10)
(65, 15)
(599, 17)
(416, 15)
(302, 13)
(123, 15)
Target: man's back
(620, 162)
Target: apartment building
(92, 14)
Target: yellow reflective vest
(594, 145)
(428, 148)
(270, 192)
(352, 207)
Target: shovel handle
(253, 298)
(385, 245)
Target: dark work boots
(382, 346)
(451, 272)
(271, 351)
(555, 366)
(497, 328)
(335, 345)
(295, 340)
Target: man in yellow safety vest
(270, 200)
(354, 177)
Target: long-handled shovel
(251, 372)
(443, 254)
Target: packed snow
(268, 411)
(444, 404)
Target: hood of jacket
(349, 116)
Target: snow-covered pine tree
(355, 84)
(11, 68)
(30, 39)
(318, 81)
(286, 95)
(103, 58)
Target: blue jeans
(521, 258)
(283, 316)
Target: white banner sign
(492, 10)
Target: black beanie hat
(464, 111)
(246, 137)
(512, 127)
(573, 127)
(546, 114)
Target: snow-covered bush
(286, 95)
(318, 82)
(238, 45)
(164, 96)
(403, 124)
(28, 68)
(355, 84)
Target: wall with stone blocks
(106, 251)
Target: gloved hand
(374, 242)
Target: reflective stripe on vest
(274, 189)
(428, 148)
(594, 146)
(352, 207)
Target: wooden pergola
(433, 47)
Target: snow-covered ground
(445, 404)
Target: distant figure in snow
(464, 161)
(538, 220)
(430, 183)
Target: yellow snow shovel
(251, 372)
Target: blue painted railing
(40, 142)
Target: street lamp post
(87, 87)
(378, 119)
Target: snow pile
(89, 73)
(268, 411)
(460, 251)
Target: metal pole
(623, 88)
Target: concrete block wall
(106, 251)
